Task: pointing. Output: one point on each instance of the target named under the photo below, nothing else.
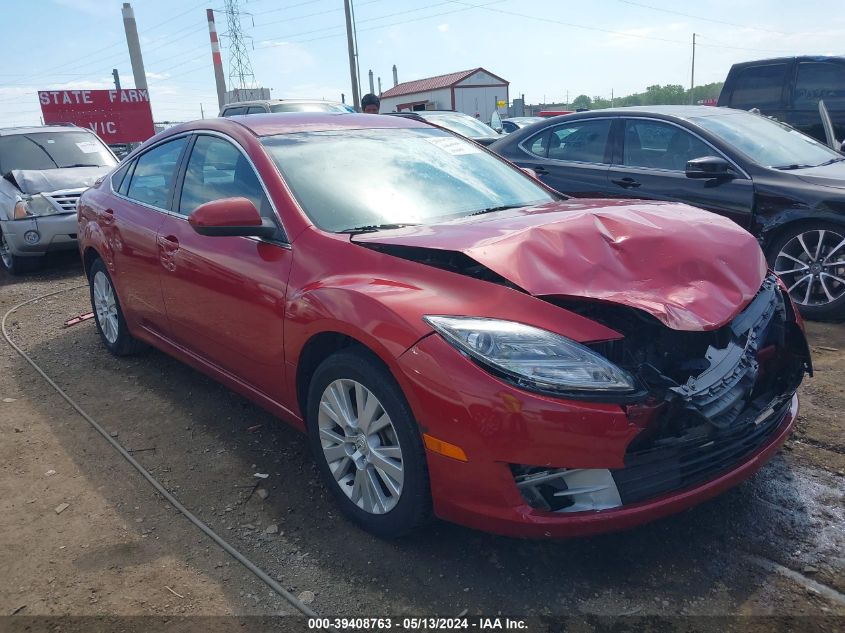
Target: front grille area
(677, 463)
(64, 200)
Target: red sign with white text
(116, 116)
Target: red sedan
(455, 338)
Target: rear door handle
(627, 183)
(540, 170)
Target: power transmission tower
(240, 68)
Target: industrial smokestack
(134, 47)
(372, 87)
(379, 86)
(395, 76)
(216, 60)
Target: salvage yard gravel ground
(116, 548)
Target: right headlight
(33, 206)
(533, 358)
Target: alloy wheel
(812, 265)
(361, 447)
(105, 306)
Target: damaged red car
(456, 339)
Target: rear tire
(108, 315)
(810, 259)
(15, 264)
(367, 444)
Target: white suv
(43, 171)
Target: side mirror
(230, 217)
(709, 167)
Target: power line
(610, 31)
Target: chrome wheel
(5, 252)
(105, 306)
(812, 265)
(361, 446)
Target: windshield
(461, 124)
(313, 106)
(767, 142)
(351, 179)
(53, 150)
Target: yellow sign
(501, 104)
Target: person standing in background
(370, 103)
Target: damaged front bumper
(718, 404)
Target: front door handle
(626, 183)
(539, 170)
(169, 242)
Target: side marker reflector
(444, 448)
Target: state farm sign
(116, 116)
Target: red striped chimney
(216, 60)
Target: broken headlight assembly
(533, 358)
(33, 206)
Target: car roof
(32, 129)
(271, 123)
(800, 58)
(667, 111)
(272, 101)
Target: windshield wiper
(371, 228)
(81, 165)
(504, 207)
(788, 167)
(831, 161)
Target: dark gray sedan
(783, 186)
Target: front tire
(810, 259)
(108, 315)
(367, 445)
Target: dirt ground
(773, 546)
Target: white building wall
(442, 100)
(480, 79)
(479, 100)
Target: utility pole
(692, 74)
(356, 101)
(116, 79)
(372, 87)
(202, 112)
(134, 44)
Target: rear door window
(255, 110)
(820, 80)
(236, 111)
(152, 179)
(580, 141)
(538, 145)
(759, 87)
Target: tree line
(670, 94)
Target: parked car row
(456, 338)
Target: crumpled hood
(33, 181)
(691, 269)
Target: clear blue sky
(543, 48)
